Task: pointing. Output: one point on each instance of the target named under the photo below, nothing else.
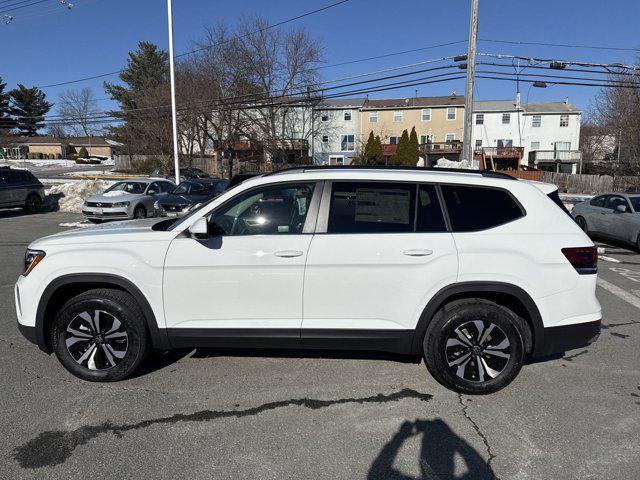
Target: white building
(544, 135)
(336, 138)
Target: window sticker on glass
(378, 205)
(283, 228)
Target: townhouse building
(543, 135)
(336, 136)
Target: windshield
(129, 187)
(635, 202)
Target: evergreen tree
(413, 152)
(6, 122)
(368, 157)
(28, 107)
(401, 157)
(83, 153)
(378, 158)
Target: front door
(618, 224)
(380, 252)
(246, 279)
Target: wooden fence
(591, 184)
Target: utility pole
(467, 142)
(172, 73)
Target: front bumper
(568, 337)
(29, 333)
(106, 213)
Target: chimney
(416, 93)
(453, 93)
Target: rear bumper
(568, 337)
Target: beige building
(436, 119)
(53, 147)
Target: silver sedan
(126, 199)
(612, 215)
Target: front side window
(473, 208)
(426, 114)
(269, 210)
(348, 143)
(451, 113)
(536, 121)
(506, 118)
(397, 116)
(371, 207)
(613, 201)
(564, 120)
(479, 118)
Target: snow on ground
(69, 197)
(76, 224)
(445, 163)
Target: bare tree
(56, 130)
(78, 107)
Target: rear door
(11, 191)
(381, 250)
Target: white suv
(476, 271)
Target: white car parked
(475, 271)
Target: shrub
(83, 153)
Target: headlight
(121, 204)
(31, 259)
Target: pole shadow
(439, 448)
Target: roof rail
(304, 168)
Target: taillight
(583, 259)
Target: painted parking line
(620, 293)
(608, 259)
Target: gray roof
(495, 106)
(412, 102)
(550, 107)
(339, 103)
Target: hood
(114, 196)
(173, 199)
(131, 230)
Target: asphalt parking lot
(279, 415)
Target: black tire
(140, 212)
(638, 244)
(492, 372)
(33, 203)
(95, 220)
(97, 359)
(582, 223)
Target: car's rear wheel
(474, 346)
(582, 223)
(33, 203)
(100, 335)
(140, 212)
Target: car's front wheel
(140, 212)
(100, 335)
(474, 346)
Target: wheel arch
(65, 287)
(505, 294)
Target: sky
(46, 43)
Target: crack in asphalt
(571, 357)
(56, 446)
(481, 435)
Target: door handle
(288, 253)
(419, 252)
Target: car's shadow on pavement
(440, 450)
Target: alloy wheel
(96, 340)
(478, 351)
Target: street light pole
(467, 147)
(174, 118)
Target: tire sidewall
(33, 203)
(139, 208)
(447, 320)
(582, 223)
(136, 345)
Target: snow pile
(446, 163)
(69, 197)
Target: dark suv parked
(20, 188)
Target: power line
(22, 6)
(563, 45)
(93, 77)
(605, 85)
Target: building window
(536, 121)
(426, 114)
(347, 143)
(562, 146)
(450, 137)
(325, 138)
(535, 145)
(397, 116)
(336, 160)
(426, 138)
(478, 143)
(479, 118)
(564, 120)
(373, 117)
(325, 117)
(506, 118)
(504, 142)
(451, 113)
(347, 115)
(394, 140)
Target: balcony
(562, 156)
(431, 148)
(500, 152)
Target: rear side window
(10, 178)
(429, 217)
(371, 207)
(473, 208)
(555, 198)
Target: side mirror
(151, 192)
(199, 229)
(621, 208)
